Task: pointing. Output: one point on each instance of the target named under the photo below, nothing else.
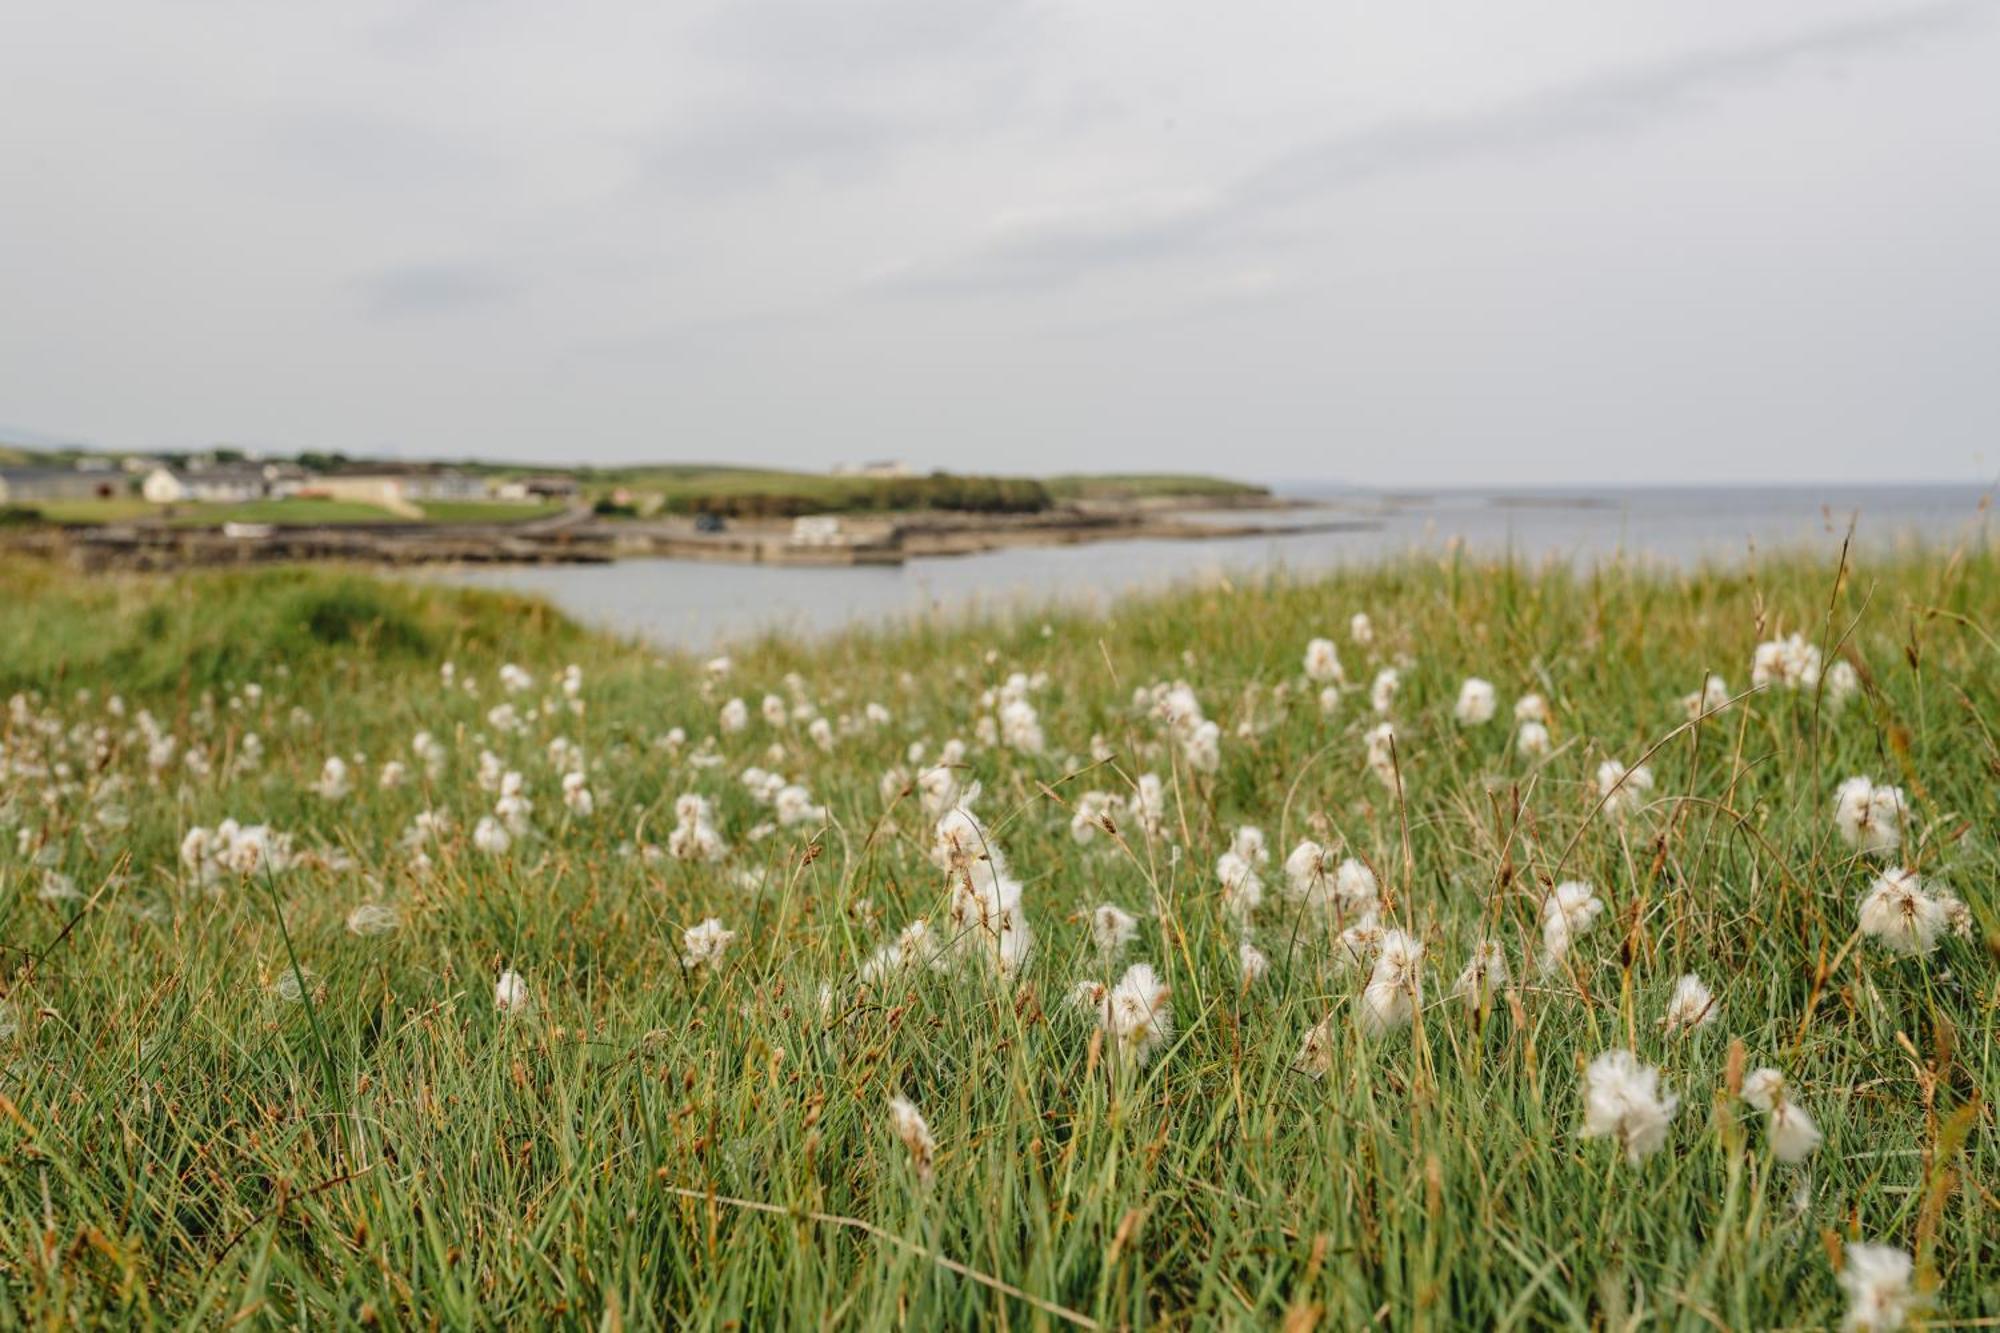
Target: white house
(226, 485)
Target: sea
(703, 607)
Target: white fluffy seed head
(1876, 1279)
(910, 1128)
(1622, 1100)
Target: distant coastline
(176, 511)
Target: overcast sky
(1542, 241)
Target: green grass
(486, 511)
(123, 509)
(690, 486)
(292, 511)
(1145, 485)
(653, 1146)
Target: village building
(398, 488)
(226, 483)
(27, 485)
(549, 486)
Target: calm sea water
(681, 604)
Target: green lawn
(196, 1132)
(487, 511)
(123, 509)
(285, 512)
(290, 512)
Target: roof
(398, 470)
(44, 473)
(253, 472)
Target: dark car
(709, 523)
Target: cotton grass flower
(1312, 877)
(1147, 804)
(1876, 1279)
(1843, 682)
(1322, 662)
(334, 784)
(1361, 629)
(1794, 1136)
(1134, 1013)
(1622, 1101)
(577, 798)
(1790, 663)
(914, 1133)
(510, 993)
(1531, 708)
(1712, 697)
(1623, 790)
(694, 837)
(491, 837)
(1021, 727)
(1476, 704)
(733, 717)
(1242, 886)
(1908, 916)
(1203, 747)
(1111, 930)
(1870, 818)
(1251, 964)
(1570, 910)
(986, 915)
(1382, 694)
(1383, 759)
(794, 806)
(1691, 1006)
(1088, 816)
(1395, 987)
(702, 946)
(1532, 740)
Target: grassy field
(123, 509)
(1143, 485)
(288, 512)
(685, 487)
(364, 1065)
(487, 511)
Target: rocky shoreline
(580, 537)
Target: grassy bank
(287, 1093)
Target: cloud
(434, 289)
(1062, 248)
(750, 148)
(1057, 246)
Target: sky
(1552, 241)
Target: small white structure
(879, 469)
(818, 530)
(228, 485)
